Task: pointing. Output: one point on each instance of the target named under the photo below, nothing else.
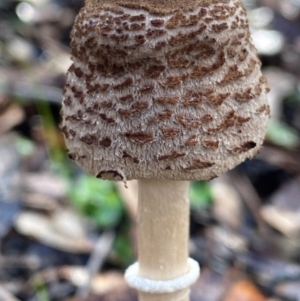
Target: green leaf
(200, 195)
(123, 248)
(25, 147)
(281, 134)
(97, 199)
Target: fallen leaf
(67, 235)
(11, 117)
(244, 290)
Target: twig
(97, 258)
(5, 295)
(250, 197)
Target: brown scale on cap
(170, 133)
(199, 164)
(167, 100)
(246, 146)
(218, 99)
(165, 89)
(136, 108)
(172, 156)
(210, 144)
(106, 142)
(140, 138)
(192, 141)
(192, 98)
(262, 109)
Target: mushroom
(164, 92)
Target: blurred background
(65, 236)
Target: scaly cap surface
(163, 91)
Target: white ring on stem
(162, 286)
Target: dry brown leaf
(244, 290)
(11, 117)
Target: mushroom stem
(163, 234)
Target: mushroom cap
(163, 93)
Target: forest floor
(65, 236)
